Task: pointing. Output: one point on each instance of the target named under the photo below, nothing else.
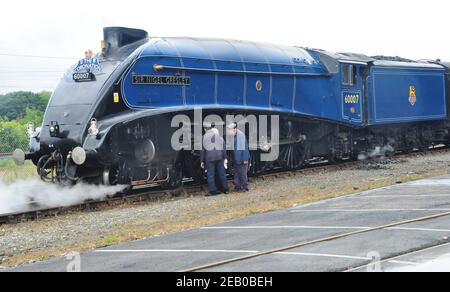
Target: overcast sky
(412, 29)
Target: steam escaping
(26, 195)
(377, 152)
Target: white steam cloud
(25, 195)
(377, 152)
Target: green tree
(13, 105)
(33, 116)
(12, 136)
(17, 109)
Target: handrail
(158, 67)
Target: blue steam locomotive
(109, 119)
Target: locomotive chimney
(116, 38)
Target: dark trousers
(241, 177)
(216, 168)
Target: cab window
(348, 75)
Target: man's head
(88, 54)
(207, 126)
(232, 129)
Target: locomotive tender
(109, 119)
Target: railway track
(189, 190)
(5, 155)
(321, 240)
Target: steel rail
(306, 243)
(5, 155)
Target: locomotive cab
(352, 83)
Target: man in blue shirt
(241, 156)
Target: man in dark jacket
(241, 155)
(213, 158)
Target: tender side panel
(398, 95)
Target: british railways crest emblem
(412, 95)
